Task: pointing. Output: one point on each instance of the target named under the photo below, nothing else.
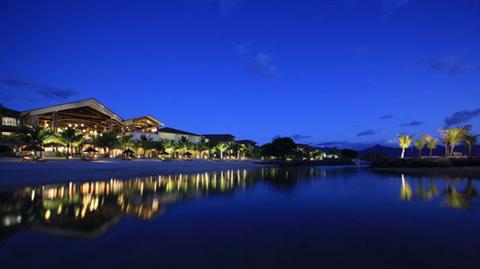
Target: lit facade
(90, 118)
(10, 121)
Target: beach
(14, 172)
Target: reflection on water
(260, 218)
(88, 209)
(453, 192)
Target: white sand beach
(14, 172)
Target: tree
(469, 139)
(431, 144)
(34, 136)
(280, 148)
(334, 152)
(405, 141)
(107, 141)
(238, 149)
(267, 150)
(201, 146)
(244, 151)
(419, 145)
(158, 146)
(169, 146)
(283, 147)
(318, 155)
(145, 143)
(348, 154)
(69, 137)
(452, 137)
(222, 147)
(126, 141)
(184, 145)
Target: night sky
(324, 72)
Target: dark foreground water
(265, 218)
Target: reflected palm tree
(406, 191)
(426, 194)
(470, 189)
(460, 199)
(432, 190)
(455, 199)
(422, 192)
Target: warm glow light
(48, 214)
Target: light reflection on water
(88, 209)
(265, 217)
(453, 192)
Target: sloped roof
(92, 103)
(246, 142)
(219, 137)
(175, 131)
(8, 112)
(147, 117)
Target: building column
(54, 122)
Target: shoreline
(15, 173)
(305, 163)
(465, 171)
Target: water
(263, 218)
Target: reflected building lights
(89, 208)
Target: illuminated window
(8, 121)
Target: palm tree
(202, 146)
(419, 145)
(107, 141)
(238, 149)
(222, 147)
(452, 136)
(405, 141)
(184, 145)
(126, 141)
(158, 147)
(145, 143)
(244, 150)
(169, 146)
(431, 144)
(34, 136)
(69, 137)
(469, 139)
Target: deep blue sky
(321, 71)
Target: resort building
(246, 142)
(176, 135)
(146, 125)
(11, 121)
(219, 138)
(92, 119)
(89, 117)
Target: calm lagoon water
(263, 218)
